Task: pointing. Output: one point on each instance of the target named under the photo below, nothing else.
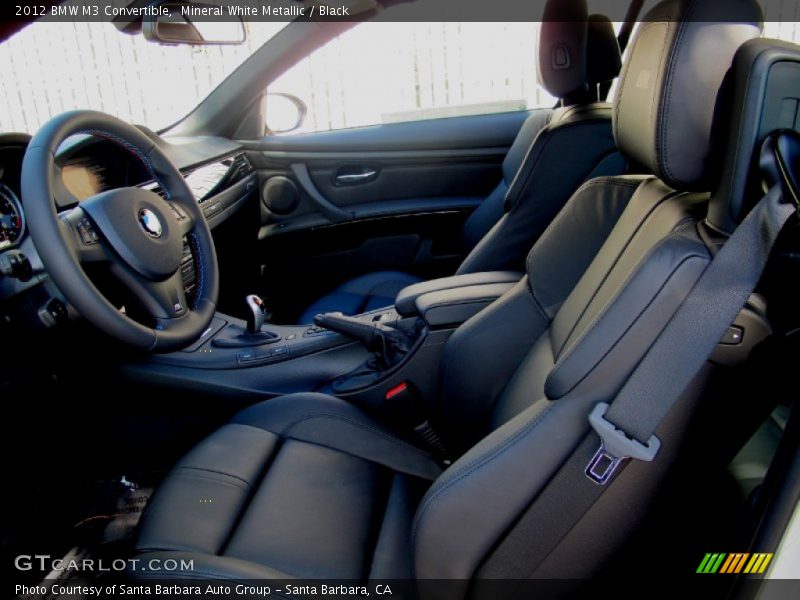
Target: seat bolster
(328, 421)
(196, 506)
(392, 558)
(194, 565)
(490, 486)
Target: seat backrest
(764, 97)
(520, 378)
(556, 150)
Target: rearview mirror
(192, 23)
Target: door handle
(355, 175)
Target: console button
(246, 356)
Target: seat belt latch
(615, 447)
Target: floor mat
(102, 536)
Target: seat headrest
(576, 51)
(665, 104)
(764, 96)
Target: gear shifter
(234, 336)
(256, 315)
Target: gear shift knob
(234, 337)
(256, 314)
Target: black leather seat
(553, 154)
(308, 485)
(338, 501)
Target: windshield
(48, 68)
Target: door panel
(388, 197)
(464, 133)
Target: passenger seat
(554, 153)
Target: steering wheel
(136, 232)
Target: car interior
(425, 352)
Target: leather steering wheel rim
(138, 234)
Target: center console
(363, 359)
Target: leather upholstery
(471, 378)
(452, 307)
(759, 65)
(667, 91)
(604, 60)
(544, 183)
(301, 486)
(406, 303)
(517, 383)
(577, 51)
(537, 178)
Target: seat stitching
(478, 462)
(651, 210)
(654, 115)
(597, 181)
(666, 101)
(637, 268)
(191, 468)
(623, 78)
(199, 475)
(270, 460)
(200, 267)
(632, 324)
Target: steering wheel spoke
(163, 300)
(185, 220)
(84, 238)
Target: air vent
(240, 168)
(211, 179)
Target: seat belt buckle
(616, 447)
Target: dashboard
(12, 221)
(12, 218)
(85, 177)
(216, 170)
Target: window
(48, 68)
(381, 72)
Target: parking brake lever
(388, 343)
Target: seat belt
(626, 427)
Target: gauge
(12, 222)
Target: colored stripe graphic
(711, 562)
(737, 562)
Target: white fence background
(49, 68)
(373, 73)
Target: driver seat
(308, 485)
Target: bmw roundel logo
(150, 223)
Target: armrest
(406, 303)
(456, 305)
